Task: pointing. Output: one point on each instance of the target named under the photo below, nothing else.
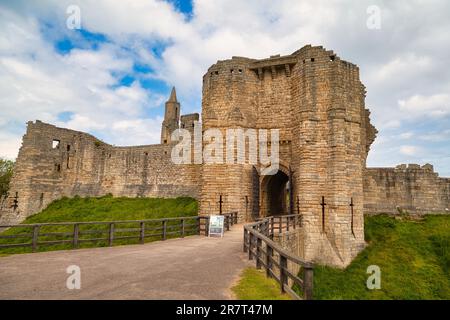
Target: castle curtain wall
(55, 162)
(413, 189)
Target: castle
(317, 102)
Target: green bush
(6, 172)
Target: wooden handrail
(255, 234)
(68, 223)
(112, 228)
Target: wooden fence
(74, 233)
(258, 242)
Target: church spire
(171, 117)
(173, 96)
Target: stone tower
(316, 100)
(171, 117)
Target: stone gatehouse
(314, 98)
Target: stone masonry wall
(413, 188)
(55, 162)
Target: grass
(106, 208)
(414, 258)
(254, 285)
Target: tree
(6, 171)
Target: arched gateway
(275, 193)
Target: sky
(111, 74)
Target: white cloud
(422, 106)
(443, 135)
(406, 135)
(409, 150)
(9, 145)
(38, 83)
(408, 64)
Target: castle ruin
(314, 98)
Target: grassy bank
(105, 208)
(254, 285)
(414, 258)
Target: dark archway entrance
(276, 194)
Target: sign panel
(216, 224)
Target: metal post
(351, 207)
(323, 204)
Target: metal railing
(258, 242)
(74, 233)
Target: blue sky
(111, 77)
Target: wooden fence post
(182, 228)
(308, 283)
(164, 229)
(207, 226)
(245, 240)
(250, 244)
(269, 254)
(142, 233)
(34, 244)
(280, 224)
(283, 276)
(111, 234)
(76, 231)
(272, 226)
(258, 253)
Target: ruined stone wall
(55, 162)
(412, 188)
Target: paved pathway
(192, 268)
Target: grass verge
(254, 285)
